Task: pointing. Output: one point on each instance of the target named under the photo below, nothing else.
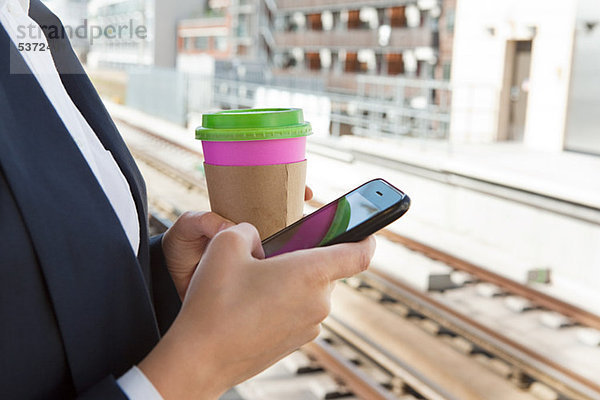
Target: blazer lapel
(85, 97)
(99, 296)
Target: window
(395, 64)
(221, 43)
(352, 64)
(446, 68)
(450, 20)
(201, 43)
(314, 22)
(313, 61)
(354, 21)
(397, 17)
(243, 28)
(242, 50)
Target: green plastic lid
(253, 124)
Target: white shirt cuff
(136, 386)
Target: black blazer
(77, 308)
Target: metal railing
(379, 106)
(382, 106)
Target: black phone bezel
(366, 228)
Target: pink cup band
(255, 152)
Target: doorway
(515, 90)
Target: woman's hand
(242, 313)
(308, 193)
(184, 243)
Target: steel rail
(536, 365)
(359, 382)
(577, 314)
(387, 361)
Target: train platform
(567, 176)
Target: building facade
(446, 40)
(526, 71)
(149, 40)
(583, 118)
(332, 40)
(225, 29)
(338, 39)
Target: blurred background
(486, 112)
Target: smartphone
(351, 218)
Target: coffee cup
(255, 165)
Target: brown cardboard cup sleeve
(270, 197)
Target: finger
(195, 225)
(243, 239)
(332, 286)
(347, 259)
(333, 262)
(308, 193)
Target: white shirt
(14, 14)
(101, 162)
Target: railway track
(484, 352)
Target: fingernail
(373, 245)
(225, 225)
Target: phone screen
(320, 227)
